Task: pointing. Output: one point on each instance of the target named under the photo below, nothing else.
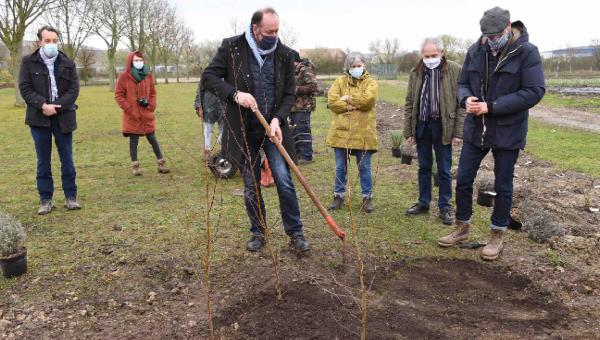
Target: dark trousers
(255, 205)
(42, 138)
(302, 134)
(429, 137)
(133, 146)
(504, 168)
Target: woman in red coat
(136, 95)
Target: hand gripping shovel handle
(332, 225)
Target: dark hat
(296, 56)
(494, 21)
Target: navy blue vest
(264, 87)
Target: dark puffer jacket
(514, 86)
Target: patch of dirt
(389, 117)
(572, 118)
(428, 299)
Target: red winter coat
(136, 119)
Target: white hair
(434, 41)
(352, 57)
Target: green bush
(12, 235)
(6, 78)
(396, 138)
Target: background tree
(596, 55)
(110, 25)
(74, 19)
(85, 60)
(15, 17)
(288, 35)
(385, 51)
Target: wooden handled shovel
(332, 225)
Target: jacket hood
(520, 34)
(129, 60)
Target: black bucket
(486, 198)
(396, 152)
(406, 159)
(15, 265)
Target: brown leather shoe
(459, 236)
(162, 167)
(492, 249)
(135, 168)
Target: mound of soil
(429, 299)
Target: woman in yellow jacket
(353, 131)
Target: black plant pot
(15, 265)
(436, 180)
(406, 159)
(396, 152)
(514, 221)
(485, 198)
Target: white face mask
(432, 63)
(138, 64)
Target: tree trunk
(15, 64)
(166, 71)
(111, 70)
(177, 72)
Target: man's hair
(258, 15)
(439, 44)
(46, 28)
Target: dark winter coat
(232, 63)
(34, 84)
(514, 86)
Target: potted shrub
(485, 192)
(407, 152)
(13, 254)
(396, 138)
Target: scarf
(139, 75)
(257, 51)
(50, 65)
(429, 107)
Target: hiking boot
(337, 203)
(256, 242)
(492, 249)
(417, 209)
(45, 207)
(303, 161)
(367, 205)
(298, 243)
(446, 216)
(71, 204)
(460, 235)
(135, 168)
(162, 167)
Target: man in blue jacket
(501, 79)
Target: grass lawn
(587, 103)
(133, 224)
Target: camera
(143, 102)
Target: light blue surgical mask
(138, 64)
(356, 72)
(51, 50)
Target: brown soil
(572, 118)
(428, 299)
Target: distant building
(583, 51)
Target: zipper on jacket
(506, 57)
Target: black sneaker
(256, 242)
(446, 216)
(337, 203)
(367, 205)
(417, 209)
(298, 243)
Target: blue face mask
(138, 64)
(356, 72)
(51, 50)
(267, 42)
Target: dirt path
(572, 118)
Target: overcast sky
(353, 24)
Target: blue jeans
(363, 161)
(429, 137)
(42, 138)
(288, 201)
(504, 168)
(302, 135)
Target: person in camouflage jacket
(306, 89)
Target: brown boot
(162, 167)
(135, 168)
(493, 248)
(460, 235)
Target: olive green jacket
(451, 114)
(353, 128)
